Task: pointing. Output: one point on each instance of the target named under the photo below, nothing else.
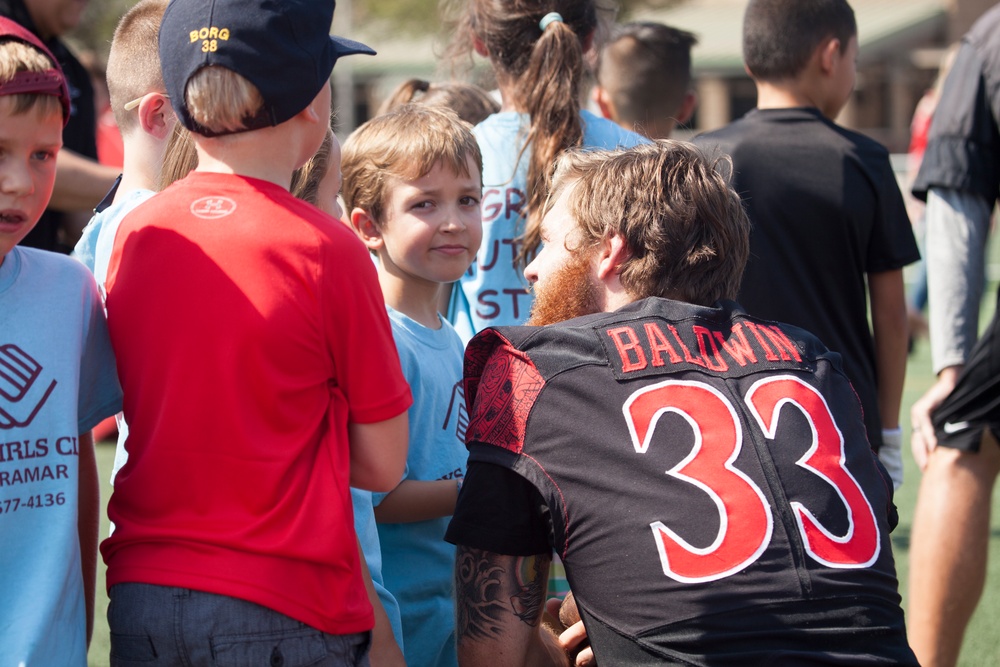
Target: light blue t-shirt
(98, 238)
(417, 564)
(494, 291)
(57, 380)
(94, 251)
(364, 526)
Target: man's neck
(615, 300)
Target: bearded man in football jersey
(703, 474)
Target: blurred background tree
(405, 16)
(98, 25)
(422, 16)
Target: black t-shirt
(704, 476)
(826, 211)
(79, 135)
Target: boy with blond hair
(57, 381)
(412, 188)
(257, 361)
(830, 226)
(145, 119)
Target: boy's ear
(311, 114)
(366, 229)
(604, 103)
(829, 54)
(687, 107)
(156, 117)
(480, 47)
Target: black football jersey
(711, 489)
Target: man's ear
(611, 254)
(156, 117)
(366, 229)
(603, 101)
(683, 114)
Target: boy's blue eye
(42, 156)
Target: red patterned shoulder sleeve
(501, 386)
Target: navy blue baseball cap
(283, 47)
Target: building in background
(902, 43)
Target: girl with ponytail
(536, 49)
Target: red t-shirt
(249, 330)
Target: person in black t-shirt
(830, 229)
(704, 474)
(80, 181)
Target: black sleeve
(500, 511)
(892, 245)
(963, 145)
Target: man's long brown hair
(685, 227)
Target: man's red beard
(570, 292)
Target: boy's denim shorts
(154, 626)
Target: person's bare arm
(385, 652)
(922, 437)
(889, 328)
(88, 522)
(498, 607)
(418, 500)
(378, 453)
(80, 182)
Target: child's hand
(574, 641)
(563, 618)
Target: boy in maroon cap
(57, 381)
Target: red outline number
(745, 518)
(860, 546)
(745, 521)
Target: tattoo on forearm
(529, 599)
(489, 586)
(478, 584)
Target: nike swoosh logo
(950, 427)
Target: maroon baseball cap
(50, 82)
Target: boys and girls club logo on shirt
(23, 387)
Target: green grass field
(982, 642)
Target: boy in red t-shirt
(257, 361)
